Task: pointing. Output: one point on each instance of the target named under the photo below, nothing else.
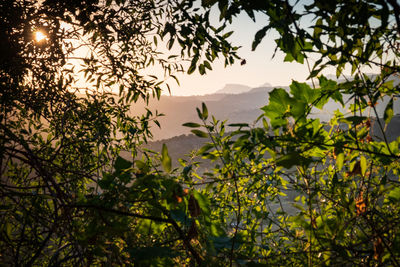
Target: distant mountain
(266, 85)
(232, 88)
(240, 107)
(244, 107)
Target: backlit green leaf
(165, 159)
(388, 111)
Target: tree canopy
(296, 191)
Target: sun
(39, 36)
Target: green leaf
(191, 69)
(388, 111)
(340, 161)
(226, 35)
(208, 2)
(106, 181)
(165, 159)
(395, 194)
(142, 166)
(317, 29)
(292, 159)
(203, 202)
(205, 148)
(221, 242)
(354, 120)
(199, 133)
(180, 216)
(259, 36)
(207, 65)
(281, 97)
(288, 58)
(363, 164)
(204, 111)
(265, 124)
(191, 125)
(199, 113)
(122, 164)
(202, 69)
(302, 91)
(238, 125)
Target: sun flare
(39, 36)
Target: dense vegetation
(69, 198)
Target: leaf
(363, 165)
(302, 91)
(165, 159)
(180, 216)
(132, 130)
(224, 242)
(355, 120)
(106, 181)
(191, 125)
(199, 113)
(205, 111)
(191, 69)
(9, 230)
(238, 125)
(395, 194)
(207, 65)
(259, 36)
(221, 242)
(203, 202)
(281, 97)
(340, 161)
(171, 43)
(208, 3)
(265, 124)
(317, 29)
(121, 164)
(199, 133)
(292, 159)
(142, 166)
(204, 149)
(388, 111)
(226, 35)
(202, 69)
(288, 58)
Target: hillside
(181, 146)
(244, 107)
(232, 88)
(236, 107)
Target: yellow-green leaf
(165, 159)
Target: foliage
(293, 192)
(298, 191)
(67, 197)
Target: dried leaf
(378, 248)
(361, 205)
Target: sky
(260, 67)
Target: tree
(67, 197)
(298, 191)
